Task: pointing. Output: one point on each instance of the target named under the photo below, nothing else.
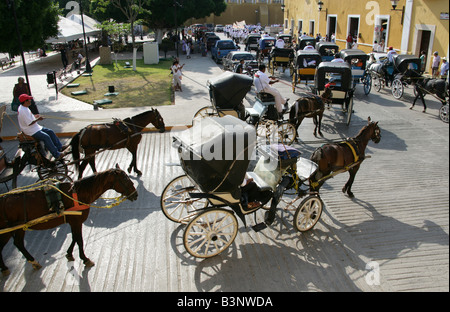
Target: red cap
(391, 48)
(24, 97)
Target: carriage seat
(263, 186)
(265, 97)
(23, 138)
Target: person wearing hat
(444, 68)
(29, 125)
(435, 65)
(390, 55)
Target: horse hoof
(88, 263)
(70, 258)
(36, 265)
(139, 173)
(6, 272)
(129, 170)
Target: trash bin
(51, 78)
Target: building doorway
(353, 28)
(381, 31)
(331, 26)
(311, 28)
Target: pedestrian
(64, 56)
(423, 61)
(444, 68)
(22, 88)
(263, 84)
(376, 46)
(349, 41)
(28, 123)
(188, 50)
(435, 65)
(177, 76)
(240, 68)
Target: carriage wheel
(176, 203)
(204, 112)
(308, 213)
(61, 177)
(376, 83)
(287, 133)
(367, 84)
(397, 88)
(57, 168)
(443, 113)
(265, 128)
(210, 233)
(349, 111)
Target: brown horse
(310, 107)
(113, 136)
(20, 208)
(338, 156)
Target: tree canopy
(37, 19)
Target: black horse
(437, 87)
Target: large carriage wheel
(204, 112)
(349, 111)
(376, 82)
(210, 233)
(367, 84)
(287, 132)
(176, 203)
(397, 88)
(308, 213)
(443, 113)
(265, 128)
(54, 170)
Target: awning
(69, 30)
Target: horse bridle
(127, 189)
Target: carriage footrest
(259, 227)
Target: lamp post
(88, 64)
(320, 5)
(175, 5)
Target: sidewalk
(67, 116)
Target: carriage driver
(263, 84)
(29, 126)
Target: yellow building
(264, 12)
(414, 25)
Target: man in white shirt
(444, 68)
(390, 54)
(280, 43)
(263, 84)
(29, 126)
(308, 47)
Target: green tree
(37, 19)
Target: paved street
(397, 222)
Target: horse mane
(140, 120)
(92, 182)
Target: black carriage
(215, 156)
(327, 50)
(287, 38)
(305, 64)
(283, 57)
(226, 93)
(264, 48)
(358, 62)
(338, 77)
(406, 70)
(304, 41)
(252, 42)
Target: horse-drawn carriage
(358, 60)
(283, 57)
(227, 93)
(209, 203)
(305, 64)
(264, 48)
(406, 71)
(327, 50)
(305, 41)
(338, 77)
(402, 72)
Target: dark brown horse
(113, 136)
(339, 156)
(20, 208)
(310, 107)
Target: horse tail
(75, 144)
(317, 155)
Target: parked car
(233, 58)
(222, 48)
